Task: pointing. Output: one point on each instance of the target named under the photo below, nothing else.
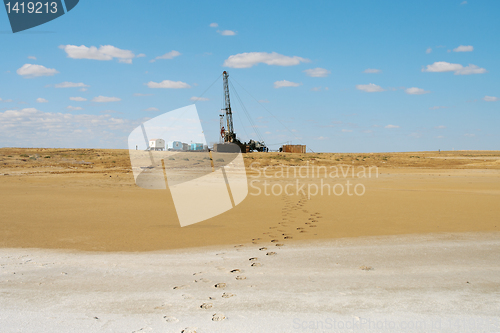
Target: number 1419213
(31, 7)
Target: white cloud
(317, 72)
(429, 50)
(464, 48)
(416, 91)
(104, 52)
(490, 99)
(151, 109)
(249, 59)
(372, 71)
(440, 127)
(32, 57)
(167, 84)
(41, 100)
(5, 100)
(200, 99)
(140, 55)
(78, 99)
(74, 108)
(471, 69)
(322, 138)
(346, 130)
(71, 85)
(316, 89)
(285, 83)
(463, 3)
(213, 25)
(104, 99)
(29, 126)
(392, 126)
(369, 87)
(443, 66)
(470, 135)
(227, 32)
(30, 71)
(263, 101)
(437, 107)
(169, 55)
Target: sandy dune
(87, 200)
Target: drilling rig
(227, 134)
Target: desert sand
(417, 283)
(87, 200)
(83, 249)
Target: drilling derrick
(228, 132)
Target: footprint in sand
(221, 285)
(256, 264)
(238, 245)
(170, 319)
(290, 237)
(180, 287)
(300, 228)
(253, 259)
(240, 277)
(187, 296)
(263, 248)
(227, 295)
(302, 231)
(274, 240)
(218, 317)
(271, 253)
(206, 306)
(189, 330)
(197, 273)
(280, 244)
(202, 280)
(237, 270)
(312, 226)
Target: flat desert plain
(359, 242)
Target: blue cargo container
(196, 147)
(174, 145)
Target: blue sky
(338, 76)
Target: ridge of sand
(86, 199)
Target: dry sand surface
(418, 283)
(411, 247)
(86, 199)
